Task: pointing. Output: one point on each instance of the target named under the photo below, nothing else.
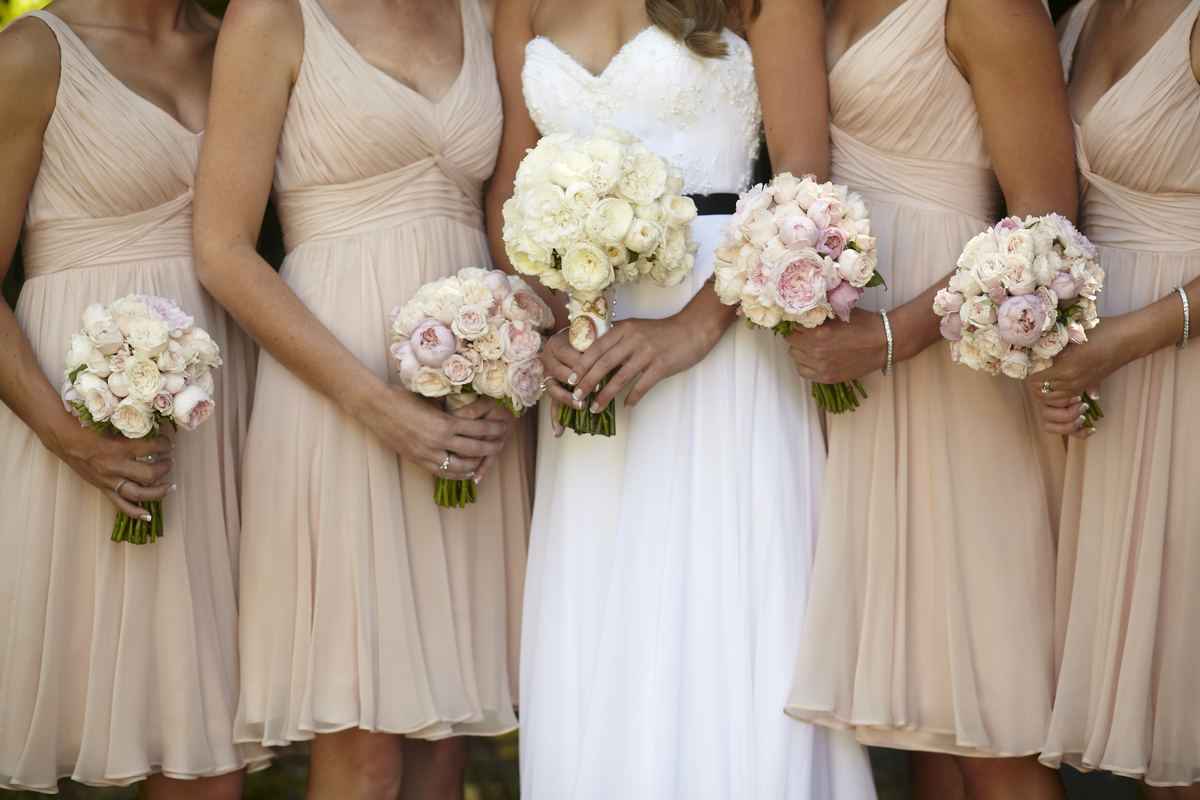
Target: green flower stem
(582, 420)
(1093, 412)
(453, 493)
(838, 398)
(138, 531)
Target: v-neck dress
(1128, 695)
(364, 605)
(116, 660)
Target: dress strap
(1076, 19)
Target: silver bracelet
(1187, 316)
(887, 331)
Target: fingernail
(595, 408)
(1081, 420)
(1094, 394)
(147, 518)
(477, 478)
(579, 404)
(171, 488)
(578, 395)
(572, 378)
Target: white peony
(643, 177)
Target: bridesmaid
(1129, 690)
(930, 622)
(118, 662)
(368, 613)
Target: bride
(669, 564)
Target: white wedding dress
(669, 565)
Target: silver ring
(120, 483)
(542, 385)
(1045, 387)
(445, 467)
(148, 459)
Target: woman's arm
(1008, 53)
(28, 84)
(788, 41)
(257, 59)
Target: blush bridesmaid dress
(1128, 696)
(930, 623)
(365, 605)
(117, 660)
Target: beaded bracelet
(887, 331)
(1187, 314)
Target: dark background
(493, 774)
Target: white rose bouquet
(137, 364)
(476, 333)
(588, 213)
(1024, 289)
(798, 253)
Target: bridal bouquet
(588, 213)
(1024, 289)
(137, 364)
(798, 253)
(475, 333)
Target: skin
(784, 37)
(1117, 34)
(419, 43)
(161, 50)
(1007, 52)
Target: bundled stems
(582, 420)
(139, 531)
(838, 398)
(1093, 413)
(452, 493)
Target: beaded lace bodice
(701, 114)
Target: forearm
(914, 325)
(281, 324)
(24, 387)
(1160, 324)
(708, 315)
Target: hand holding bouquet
(1024, 289)
(588, 213)
(477, 333)
(137, 364)
(798, 253)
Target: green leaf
(876, 280)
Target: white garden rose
(105, 335)
(729, 282)
(81, 350)
(643, 237)
(203, 378)
(1019, 243)
(815, 316)
(133, 418)
(964, 283)
(581, 197)
(143, 378)
(764, 315)
(1046, 266)
(1019, 276)
(430, 382)
(979, 246)
(609, 222)
(856, 268)
(207, 351)
(587, 269)
(979, 311)
(1052, 342)
(171, 359)
(471, 323)
(492, 379)
(652, 212)
(1015, 364)
(96, 396)
(678, 210)
(607, 156)
(458, 369)
(149, 337)
(476, 293)
(489, 345)
(127, 309)
(643, 177)
(550, 223)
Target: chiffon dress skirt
(364, 604)
(116, 660)
(1128, 696)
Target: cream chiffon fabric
(364, 604)
(116, 660)
(1129, 553)
(930, 620)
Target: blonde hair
(699, 23)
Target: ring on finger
(1045, 387)
(445, 465)
(120, 483)
(146, 459)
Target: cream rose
(1015, 364)
(458, 369)
(586, 268)
(492, 379)
(643, 237)
(149, 337)
(609, 221)
(96, 396)
(1052, 342)
(143, 378)
(678, 210)
(81, 350)
(470, 324)
(643, 179)
(133, 418)
(431, 382)
(581, 198)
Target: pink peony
(1021, 320)
(801, 285)
(831, 242)
(192, 407)
(406, 360)
(952, 326)
(1064, 287)
(499, 284)
(524, 382)
(799, 232)
(521, 341)
(168, 311)
(843, 298)
(525, 306)
(1007, 225)
(432, 343)
(825, 211)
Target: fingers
(555, 425)
(461, 468)
(644, 384)
(557, 369)
(624, 376)
(158, 447)
(803, 366)
(603, 366)
(560, 395)
(129, 509)
(482, 428)
(483, 467)
(143, 473)
(137, 493)
(480, 408)
(474, 448)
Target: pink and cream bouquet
(798, 253)
(588, 213)
(475, 334)
(1023, 290)
(136, 365)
